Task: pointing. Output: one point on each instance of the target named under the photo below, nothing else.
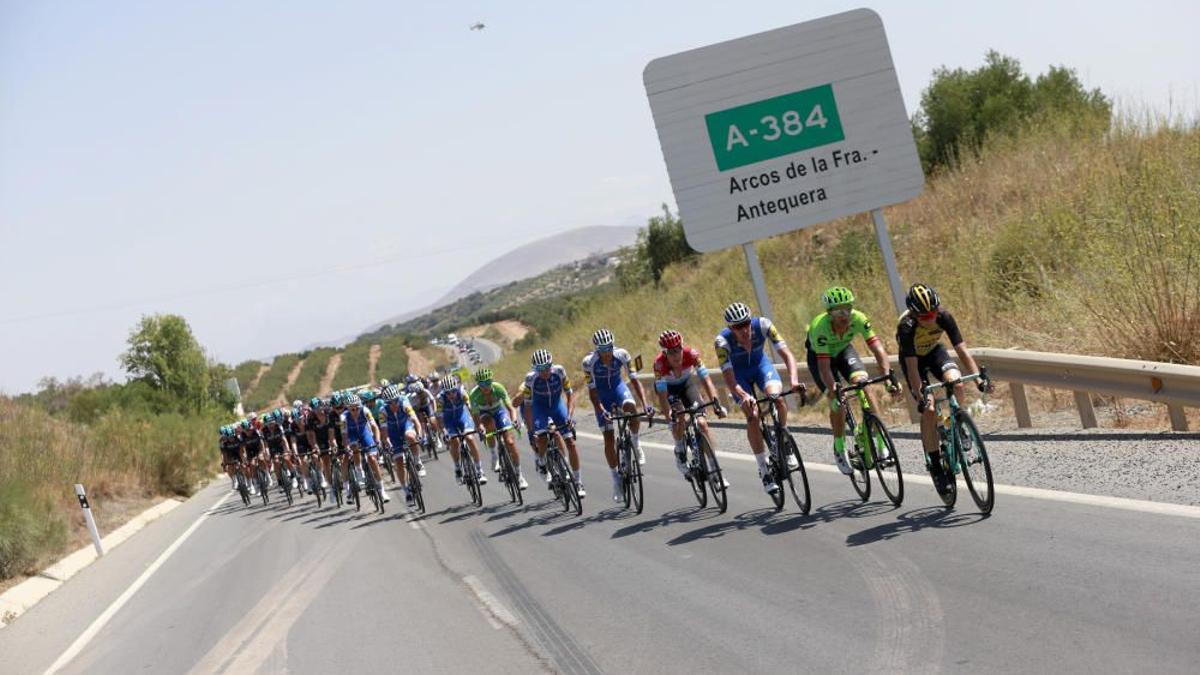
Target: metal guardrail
(1176, 386)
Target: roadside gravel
(1154, 466)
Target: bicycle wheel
(243, 489)
(972, 457)
(264, 486)
(887, 460)
(697, 478)
(390, 463)
(860, 475)
(713, 475)
(778, 468)
(624, 472)
(338, 488)
(634, 487)
(355, 490)
(800, 493)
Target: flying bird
(478, 26)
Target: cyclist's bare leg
(610, 448)
(473, 448)
(454, 441)
(630, 408)
(703, 424)
(753, 432)
(781, 410)
(572, 451)
(510, 443)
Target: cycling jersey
(322, 431)
(918, 340)
(398, 422)
(606, 377)
(825, 343)
(499, 395)
(359, 430)
(299, 433)
(250, 440)
(682, 386)
(545, 391)
(732, 355)
(456, 418)
(422, 398)
(545, 395)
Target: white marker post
(783, 130)
(87, 515)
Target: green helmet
(838, 295)
(483, 375)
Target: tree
(661, 243)
(164, 354)
(961, 109)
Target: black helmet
(921, 299)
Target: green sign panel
(774, 127)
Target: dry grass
(1042, 243)
(121, 456)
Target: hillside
(514, 300)
(1044, 243)
(524, 262)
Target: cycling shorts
(686, 393)
(612, 400)
(456, 425)
(846, 366)
(277, 450)
(542, 415)
(499, 416)
(401, 438)
(757, 375)
(231, 455)
(936, 362)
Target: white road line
(87, 635)
(1122, 503)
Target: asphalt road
(853, 587)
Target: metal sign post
(87, 516)
(889, 259)
(759, 281)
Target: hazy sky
(283, 173)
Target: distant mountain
(527, 261)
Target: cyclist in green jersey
(832, 357)
(492, 409)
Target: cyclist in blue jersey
(745, 365)
(403, 428)
(360, 433)
(456, 420)
(605, 371)
(545, 387)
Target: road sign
(783, 130)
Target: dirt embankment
(281, 398)
(506, 333)
(257, 378)
(326, 387)
(372, 361)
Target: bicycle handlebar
(982, 376)
(801, 390)
(694, 410)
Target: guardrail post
(1020, 405)
(1178, 417)
(1087, 414)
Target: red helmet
(670, 339)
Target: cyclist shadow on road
(851, 508)
(533, 521)
(926, 517)
(499, 512)
(612, 513)
(402, 515)
(689, 514)
(768, 520)
(354, 515)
